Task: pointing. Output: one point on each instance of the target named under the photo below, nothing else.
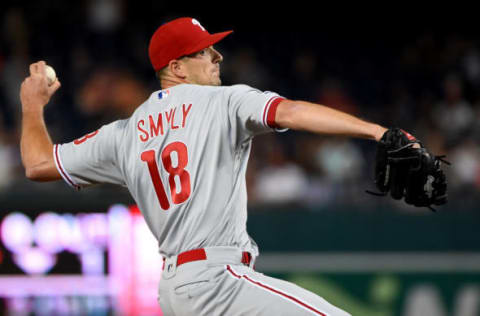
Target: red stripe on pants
(289, 297)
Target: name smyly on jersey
(157, 124)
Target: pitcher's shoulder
(197, 89)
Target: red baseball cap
(177, 38)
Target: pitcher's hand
(35, 92)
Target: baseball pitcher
(183, 156)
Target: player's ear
(177, 68)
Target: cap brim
(207, 42)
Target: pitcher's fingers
(33, 68)
(55, 86)
(37, 67)
(41, 67)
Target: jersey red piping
(60, 168)
(270, 110)
(289, 297)
(265, 110)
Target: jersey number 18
(182, 157)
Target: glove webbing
(383, 194)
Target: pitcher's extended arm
(35, 143)
(320, 119)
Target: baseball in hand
(51, 76)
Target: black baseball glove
(409, 172)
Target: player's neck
(165, 83)
(168, 80)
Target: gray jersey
(183, 155)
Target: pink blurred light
(95, 229)
(47, 234)
(134, 262)
(35, 261)
(92, 262)
(54, 285)
(16, 232)
(76, 239)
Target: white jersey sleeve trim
(266, 109)
(61, 169)
(266, 112)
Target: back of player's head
(180, 37)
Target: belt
(200, 254)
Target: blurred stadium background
(90, 253)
